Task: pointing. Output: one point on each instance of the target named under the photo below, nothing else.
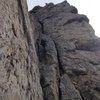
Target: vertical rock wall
(68, 52)
(19, 74)
(55, 57)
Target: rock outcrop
(50, 53)
(19, 74)
(68, 53)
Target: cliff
(19, 74)
(50, 53)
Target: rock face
(56, 56)
(68, 53)
(19, 74)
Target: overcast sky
(91, 8)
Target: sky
(91, 8)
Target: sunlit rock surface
(19, 74)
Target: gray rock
(68, 91)
(49, 68)
(50, 53)
(77, 51)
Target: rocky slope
(68, 52)
(50, 53)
